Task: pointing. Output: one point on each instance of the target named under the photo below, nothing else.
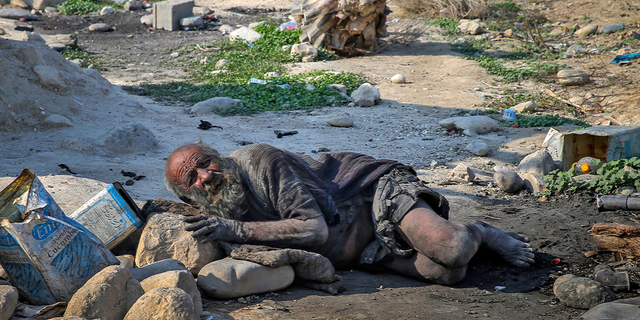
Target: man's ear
(187, 200)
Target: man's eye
(193, 176)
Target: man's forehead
(180, 161)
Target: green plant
(449, 25)
(76, 52)
(84, 6)
(546, 121)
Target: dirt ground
(404, 127)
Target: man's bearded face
(202, 177)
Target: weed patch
(546, 121)
(70, 7)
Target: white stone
(221, 63)
(213, 104)
(398, 78)
(179, 279)
(56, 121)
(471, 126)
(245, 33)
(107, 10)
(49, 77)
(226, 29)
(304, 50)
(191, 22)
(147, 19)
(462, 173)
(229, 278)
(366, 95)
(17, 14)
(99, 27)
(132, 137)
(539, 162)
(470, 27)
(164, 303)
(8, 301)
(271, 75)
(528, 106)
(340, 120)
(478, 147)
(508, 181)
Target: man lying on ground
(349, 207)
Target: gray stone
(532, 181)
(191, 22)
(39, 4)
(470, 27)
(126, 261)
(50, 10)
(99, 27)
(340, 87)
(571, 77)
(508, 181)
(147, 19)
(29, 55)
(132, 137)
(308, 59)
(582, 293)
(478, 147)
(8, 301)
(340, 120)
(366, 95)
(66, 39)
(462, 173)
(107, 10)
(11, 24)
(164, 237)
(57, 46)
(213, 104)
(57, 121)
(203, 11)
(133, 5)
(107, 295)
(229, 278)
(164, 303)
(587, 30)
(575, 50)
(245, 34)
(529, 106)
(539, 162)
(180, 279)
(471, 126)
(623, 309)
(221, 63)
(226, 29)
(17, 14)
(30, 36)
(398, 78)
(167, 14)
(304, 50)
(49, 77)
(159, 267)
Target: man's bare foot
(514, 251)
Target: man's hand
(213, 228)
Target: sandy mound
(38, 82)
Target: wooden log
(620, 238)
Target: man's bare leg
(451, 245)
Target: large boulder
(471, 126)
(164, 303)
(623, 309)
(181, 279)
(580, 292)
(366, 95)
(164, 237)
(539, 162)
(214, 104)
(229, 278)
(127, 138)
(108, 295)
(155, 268)
(8, 301)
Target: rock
(623, 309)
(126, 261)
(66, 39)
(529, 106)
(539, 162)
(8, 301)
(159, 267)
(398, 78)
(180, 279)
(304, 50)
(147, 20)
(57, 121)
(26, 36)
(93, 73)
(16, 25)
(107, 295)
(49, 77)
(571, 77)
(107, 10)
(245, 33)
(17, 14)
(255, 24)
(132, 137)
(340, 120)
(471, 126)
(3, 274)
(470, 27)
(213, 104)
(587, 30)
(478, 147)
(50, 10)
(625, 191)
(366, 95)
(39, 4)
(202, 11)
(462, 174)
(191, 22)
(57, 47)
(308, 59)
(164, 303)
(226, 29)
(579, 292)
(271, 75)
(99, 27)
(309, 87)
(575, 50)
(221, 63)
(508, 181)
(340, 87)
(164, 237)
(229, 278)
(616, 281)
(133, 5)
(508, 32)
(533, 182)
(287, 48)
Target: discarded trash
(626, 57)
(47, 255)
(64, 166)
(556, 261)
(280, 133)
(258, 81)
(509, 115)
(288, 26)
(600, 142)
(111, 215)
(612, 203)
(206, 125)
(500, 288)
(612, 28)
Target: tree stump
(620, 238)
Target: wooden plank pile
(348, 27)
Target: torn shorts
(395, 194)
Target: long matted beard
(229, 201)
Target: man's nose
(204, 175)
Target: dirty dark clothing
(285, 185)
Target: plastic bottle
(586, 165)
(509, 115)
(612, 28)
